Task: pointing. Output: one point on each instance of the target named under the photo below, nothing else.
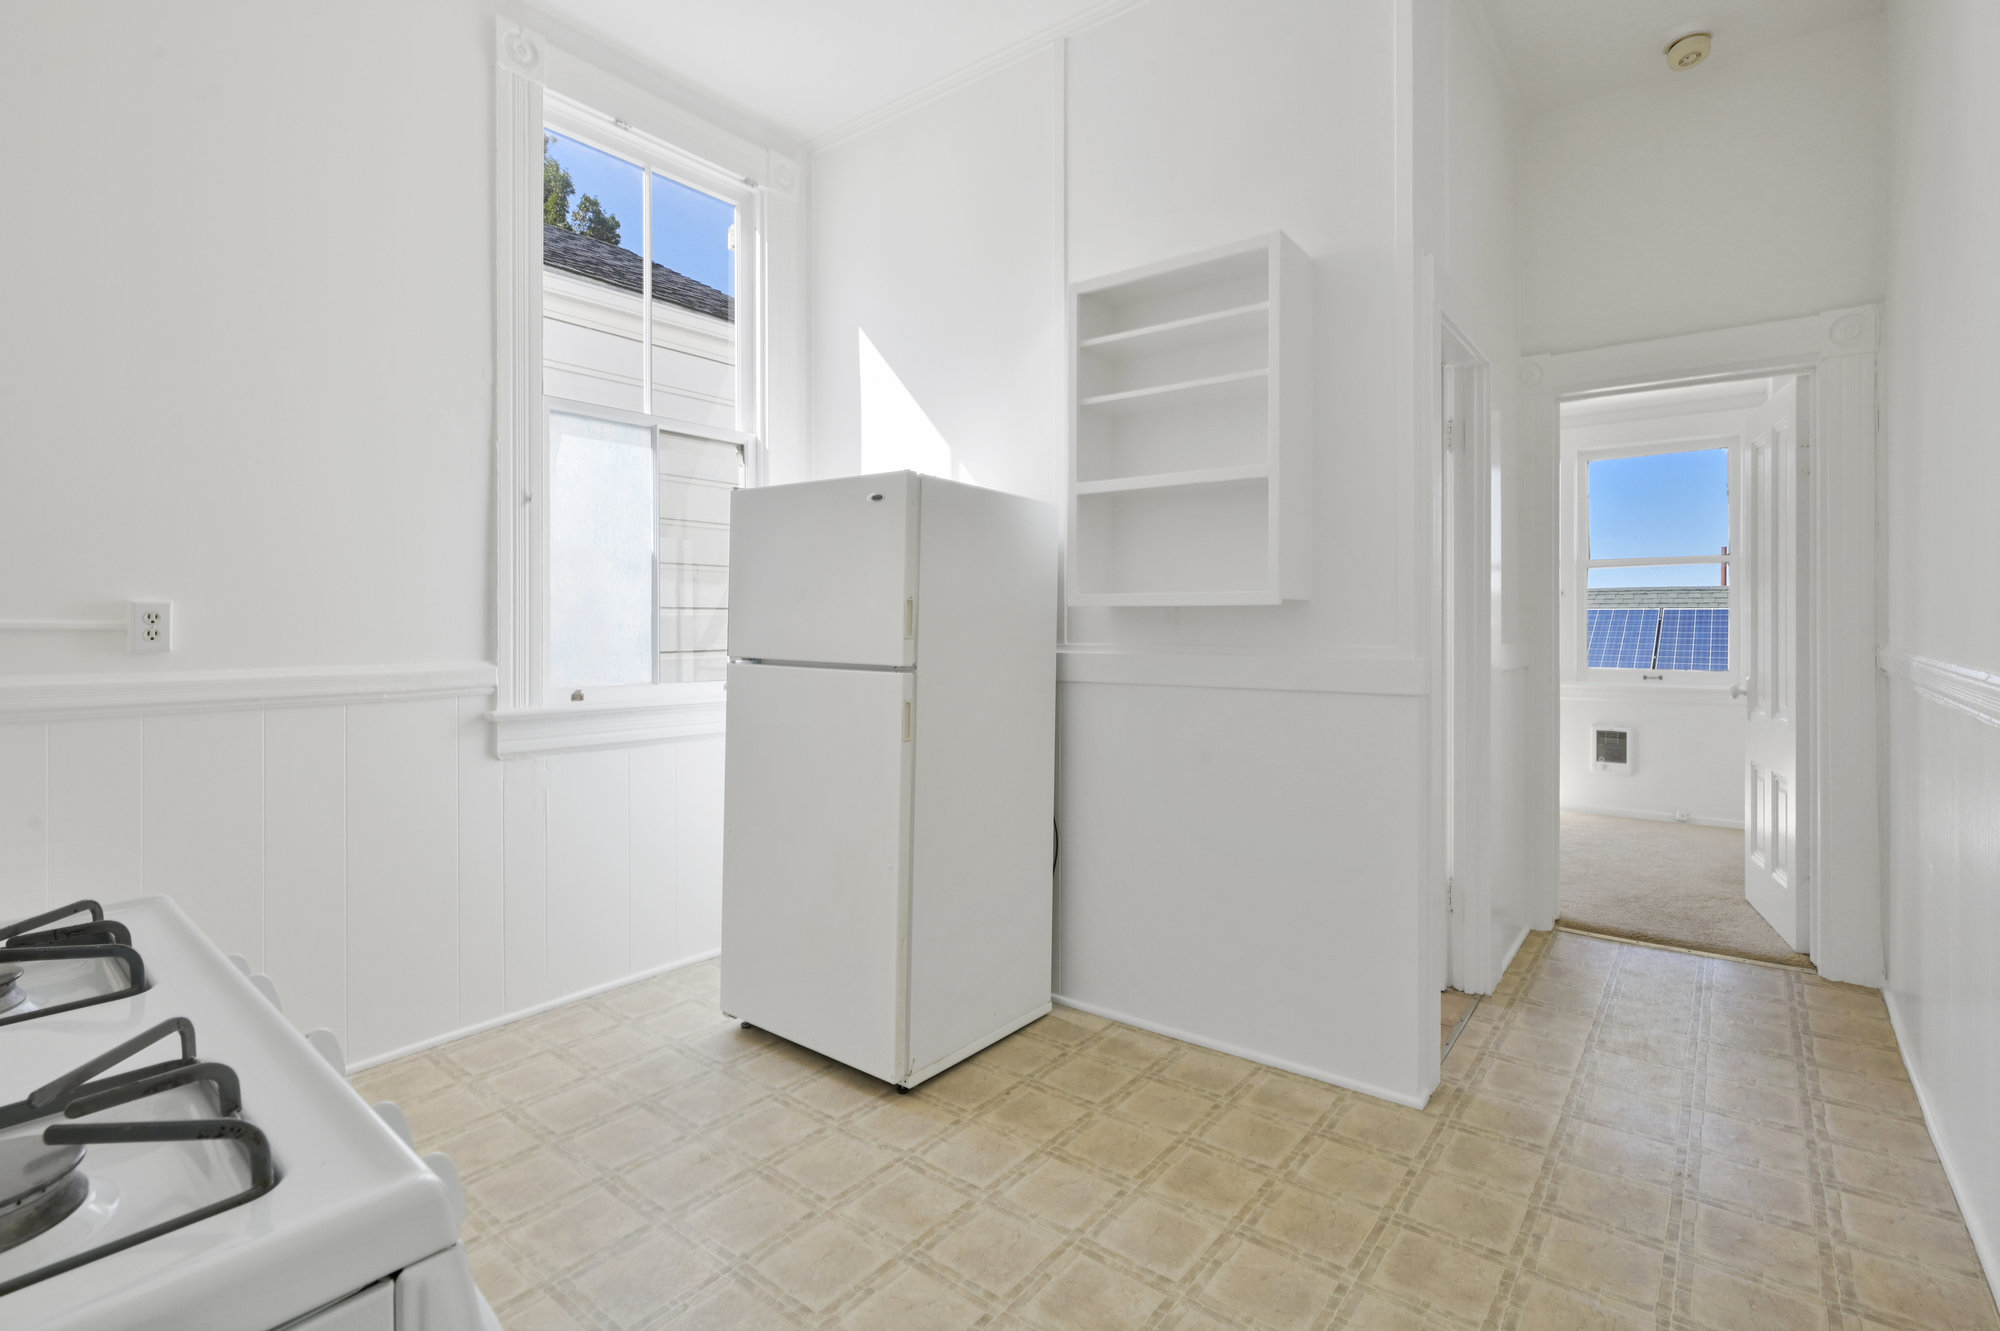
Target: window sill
(1668, 691)
(677, 712)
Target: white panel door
(814, 859)
(825, 571)
(1768, 641)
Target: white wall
(1284, 793)
(293, 210)
(1750, 188)
(937, 293)
(1687, 755)
(297, 214)
(1940, 472)
(395, 881)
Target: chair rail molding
(1391, 676)
(1961, 688)
(83, 697)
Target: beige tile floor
(1626, 1137)
(1452, 1009)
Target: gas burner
(40, 1186)
(49, 970)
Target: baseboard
(1238, 1051)
(1646, 815)
(1513, 951)
(1982, 1242)
(952, 1060)
(652, 972)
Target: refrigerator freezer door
(815, 855)
(824, 572)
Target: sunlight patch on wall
(896, 434)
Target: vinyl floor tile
(1625, 1138)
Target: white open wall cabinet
(1190, 430)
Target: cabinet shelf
(1190, 430)
(1170, 480)
(1213, 388)
(1242, 321)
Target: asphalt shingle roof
(1669, 598)
(619, 267)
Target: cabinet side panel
(981, 895)
(1292, 358)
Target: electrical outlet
(152, 626)
(1680, 815)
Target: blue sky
(1659, 504)
(690, 228)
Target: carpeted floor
(1663, 883)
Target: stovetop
(245, 1181)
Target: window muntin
(1655, 560)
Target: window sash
(1582, 564)
(557, 693)
(596, 130)
(578, 122)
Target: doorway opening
(1682, 735)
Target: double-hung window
(648, 385)
(1653, 559)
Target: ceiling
(1566, 51)
(811, 66)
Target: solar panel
(1624, 637)
(1694, 640)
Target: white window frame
(1581, 562)
(529, 718)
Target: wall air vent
(1611, 749)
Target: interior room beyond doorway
(1680, 546)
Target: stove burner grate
(27, 941)
(42, 1190)
(40, 1186)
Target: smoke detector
(1688, 50)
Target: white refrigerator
(890, 791)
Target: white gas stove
(174, 1156)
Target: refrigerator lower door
(816, 834)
